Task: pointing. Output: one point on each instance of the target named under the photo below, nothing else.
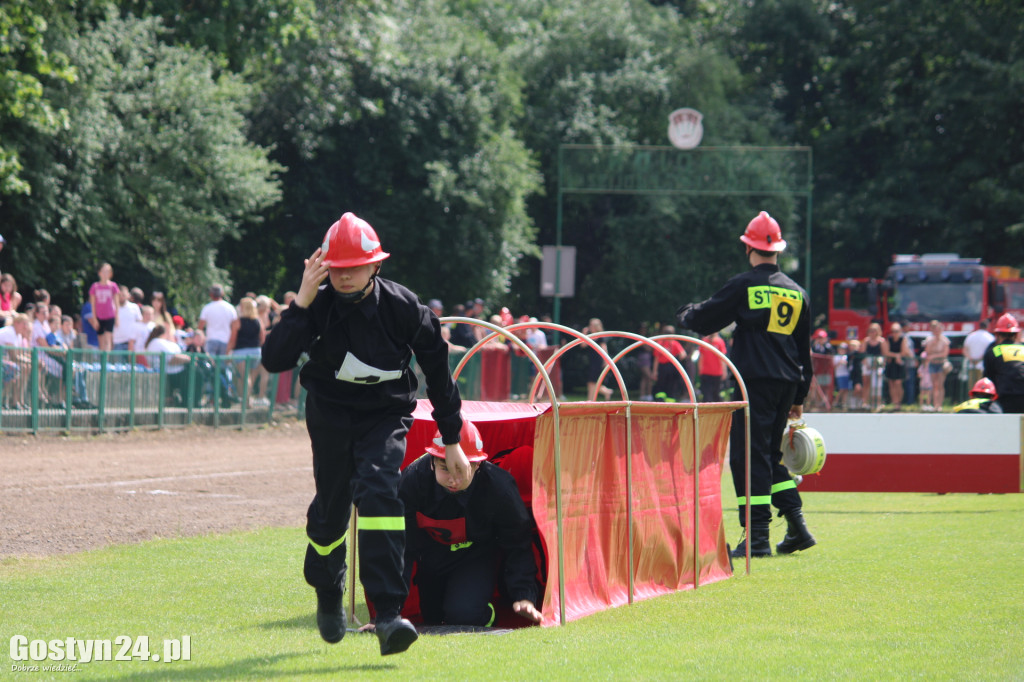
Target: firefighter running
(771, 350)
(360, 331)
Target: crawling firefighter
(457, 532)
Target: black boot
(395, 635)
(797, 536)
(759, 543)
(330, 615)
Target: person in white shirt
(975, 345)
(177, 386)
(17, 364)
(128, 317)
(215, 320)
(143, 327)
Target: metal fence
(90, 390)
(874, 394)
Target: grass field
(900, 586)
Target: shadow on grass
(254, 669)
(305, 622)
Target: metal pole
(696, 497)
(162, 391)
(131, 390)
(629, 500)
(556, 308)
(807, 237)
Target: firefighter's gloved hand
(681, 316)
(458, 465)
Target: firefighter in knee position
(982, 400)
(457, 532)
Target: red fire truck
(916, 289)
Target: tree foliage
(25, 64)
(189, 141)
(918, 147)
(153, 170)
(405, 117)
(609, 74)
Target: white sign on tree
(685, 129)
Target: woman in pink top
(103, 298)
(10, 299)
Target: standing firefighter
(1003, 363)
(771, 350)
(360, 332)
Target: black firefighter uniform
(360, 398)
(772, 351)
(456, 540)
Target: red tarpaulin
(595, 522)
(595, 500)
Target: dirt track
(67, 494)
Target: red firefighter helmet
(764, 234)
(984, 387)
(351, 242)
(471, 442)
(1007, 324)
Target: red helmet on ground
(1007, 324)
(764, 234)
(984, 387)
(351, 242)
(471, 442)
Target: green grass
(900, 586)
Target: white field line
(156, 479)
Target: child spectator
(841, 371)
(854, 362)
(103, 307)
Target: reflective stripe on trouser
(356, 459)
(769, 411)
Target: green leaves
(154, 167)
(25, 63)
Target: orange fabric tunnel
(638, 518)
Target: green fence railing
(90, 390)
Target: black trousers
(711, 388)
(1011, 404)
(770, 481)
(356, 459)
(669, 385)
(461, 595)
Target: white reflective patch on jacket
(355, 371)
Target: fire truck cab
(916, 289)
